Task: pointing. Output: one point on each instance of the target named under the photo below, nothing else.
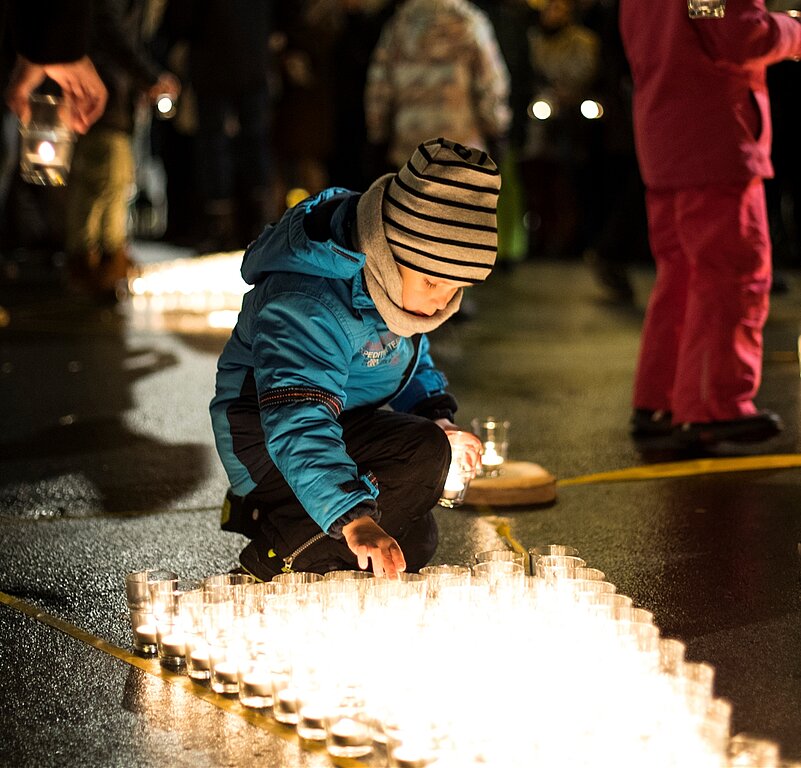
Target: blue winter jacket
(308, 344)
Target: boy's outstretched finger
(377, 557)
(394, 561)
(362, 557)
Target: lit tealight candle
(405, 757)
(312, 718)
(257, 684)
(454, 485)
(491, 459)
(311, 723)
(46, 152)
(225, 672)
(199, 658)
(348, 732)
(146, 634)
(173, 644)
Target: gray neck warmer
(381, 272)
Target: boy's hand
(366, 539)
(470, 443)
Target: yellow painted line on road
(688, 469)
(503, 528)
(152, 667)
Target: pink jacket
(701, 109)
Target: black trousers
(409, 457)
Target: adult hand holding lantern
(82, 88)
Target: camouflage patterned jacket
(437, 71)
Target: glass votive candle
(347, 575)
(255, 675)
(191, 614)
(416, 751)
(440, 577)
(297, 581)
(170, 636)
(748, 751)
(541, 550)
(143, 626)
(553, 567)
(497, 573)
(716, 725)
(460, 471)
(224, 638)
(234, 585)
(285, 695)
(592, 574)
(140, 608)
(608, 605)
(258, 595)
(505, 555)
(697, 683)
(46, 142)
(671, 656)
(224, 657)
(349, 729)
(494, 436)
(314, 704)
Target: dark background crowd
(272, 107)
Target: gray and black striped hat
(439, 211)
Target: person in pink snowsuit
(703, 138)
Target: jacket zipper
(289, 559)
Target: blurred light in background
(189, 294)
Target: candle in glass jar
(173, 644)
(146, 634)
(257, 684)
(405, 757)
(312, 718)
(491, 459)
(199, 658)
(311, 723)
(285, 706)
(226, 673)
(348, 732)
(45, 153)
(453, 486)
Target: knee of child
(434, 453)
(420, 542)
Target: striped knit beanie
(439, 212)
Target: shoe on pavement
(760, 426)
(649, 423)
(240, 515)
(260, 561)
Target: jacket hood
(287, 247)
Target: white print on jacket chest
(376, 352)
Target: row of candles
(209, 286)
(518, 659)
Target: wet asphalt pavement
(107, 466)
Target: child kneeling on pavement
(324, 476)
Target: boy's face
(424, 294)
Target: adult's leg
(724, 229)
(115, 261)
(91, 166)
(664, 318)
(215, 164)
(409, 457)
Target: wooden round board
(520, 483)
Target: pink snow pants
(701, 345)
